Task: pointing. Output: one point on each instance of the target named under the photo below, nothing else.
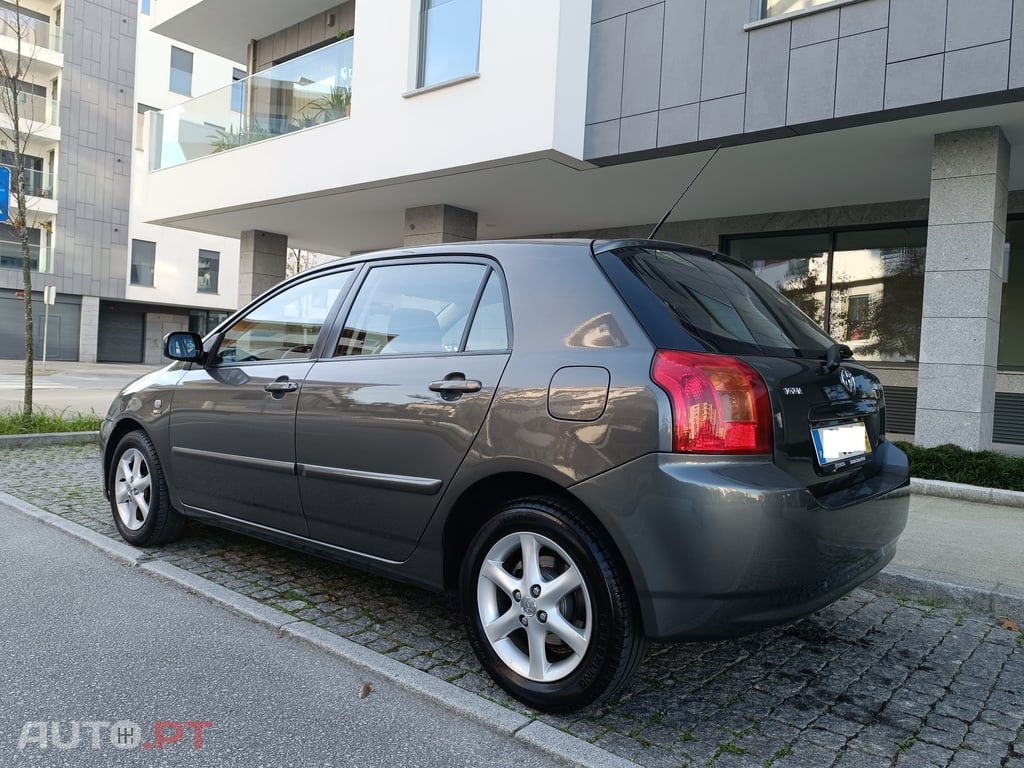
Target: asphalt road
(66, 387)
(134, 665)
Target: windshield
(724, 305)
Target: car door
(232, 423)
(384, 424)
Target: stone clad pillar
(88, 330)
(262, 260)
(443, 223)
(962, 288)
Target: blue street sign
(5, 193)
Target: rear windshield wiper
(835, 355)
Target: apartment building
(864, 156)
(120, 283)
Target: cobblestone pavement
(867, 682)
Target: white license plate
(843, 442)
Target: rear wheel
(138, 494)
(548, 607)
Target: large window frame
(143, 263)
(771, 9)
(182, 67)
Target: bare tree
(21, 113)
(299, 260)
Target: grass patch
(958, 465)
(13, 421)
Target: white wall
(528, 101)
(177, 251)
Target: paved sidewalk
(872, 680)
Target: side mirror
(183, 345)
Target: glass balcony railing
(36, 183)
(306, 91)
(31, 31)
(35, 109)
(40, 256)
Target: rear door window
(721, 304)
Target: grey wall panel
(638, 132)
(916, 28)
(767, 77)
(604, 84)
(976, 70)
(641, 69)
(601, 139)
(977, 22)
(816, 28)
(678, 125)
(682, 52)
(606, 9)
(1017, 47)
(724, 70)
(863, 17)
(917, 81)
(812, 83)
(721, 117)
(860, 77)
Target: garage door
(121, 334)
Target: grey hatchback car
(588, 444)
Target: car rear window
(723, 305)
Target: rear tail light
(719, 404)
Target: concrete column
(439, 224)
(962, 288)
(89, 329)
(261, 263)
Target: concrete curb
(48, 438)
(963, 492)
(951, 591)
(546, 738)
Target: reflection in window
(181, 71)
(412, 309)
(771, 8)
(286, 326)
(865, 288)
(143, 262)
(209, 271)
(449, 40)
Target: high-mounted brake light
(719, 404)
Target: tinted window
(412, 309)
(723, 305)
(285, 326)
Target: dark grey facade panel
(916, 28)
(641, 66)
(683, 54)
(863, 17)
(721, 117)
(768, 78)
(724, 70)
(604, 84)
(638, 132)
(852, 60)
(970, 71)
(860, 76)
(812, 83)
(817, 28)
(917, 81)
(977, 22)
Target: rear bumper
(721, 548)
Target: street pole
(49, 297)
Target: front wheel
(548, 607)
(138, 494)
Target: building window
(181, 71)
(238, 90)
(449, 40)
(770, 8)
(11, 252)
(145, 6)
(209, 271)
(864, 287)
(203, 321)
(143, 262)
(1011, 314)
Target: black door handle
(454, 385)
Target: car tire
(139, 499)
(548, 606)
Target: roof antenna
(669, 211)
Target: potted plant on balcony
(331, 106)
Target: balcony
(35, 183)
(40, 256)
(34, 32)
(33, 111)
(307, 91)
